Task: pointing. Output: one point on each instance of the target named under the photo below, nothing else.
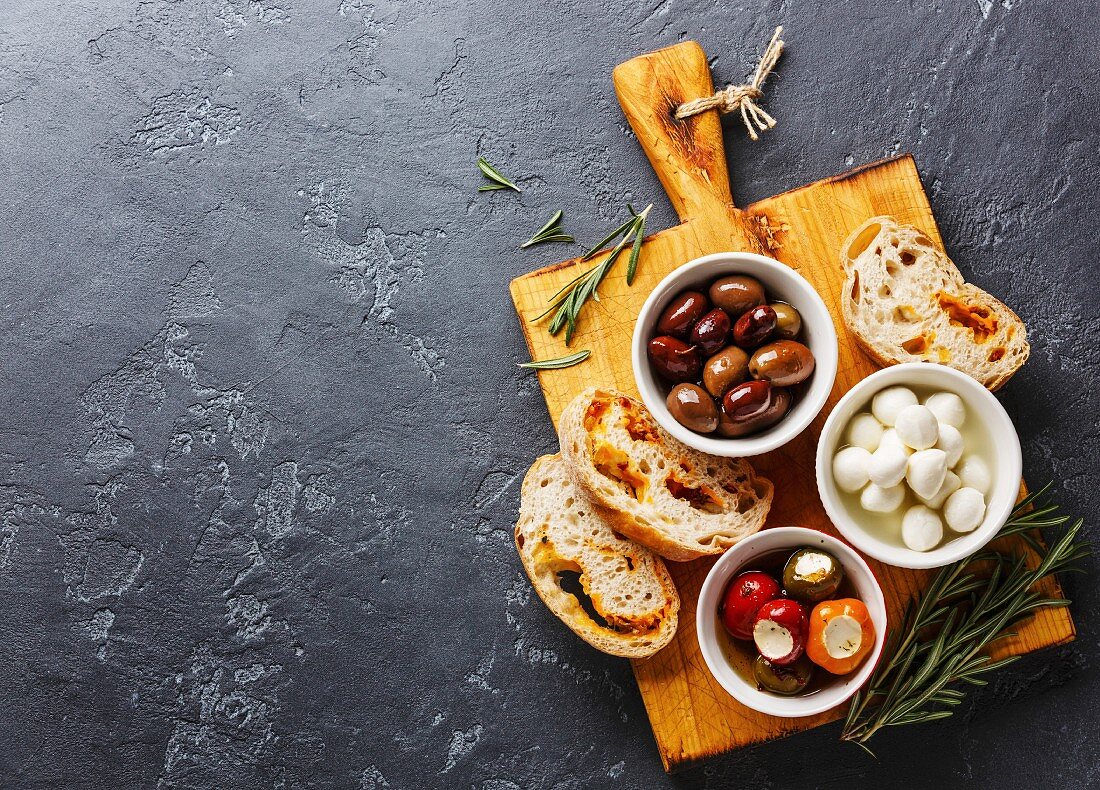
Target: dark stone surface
(261, 429)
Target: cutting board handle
(687, 154)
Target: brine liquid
(741, 653)
(887, 526)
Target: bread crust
(558, 530)
(679, 502)
(904, 300)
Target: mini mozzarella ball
(925, 472)
(964, 510)
(921, 528)
(887, 466)
(917, 427)
(850, 468)
(951, 442)
(865, 431)
(878, 499)
(886, 404)
(890, 439)
(974, 473)
(948, 408)
(951, 484)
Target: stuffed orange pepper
(841, 635)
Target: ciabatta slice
(629, 588)
(651, 487)
(905, 301)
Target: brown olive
(783, 363)
(682, 313)
(737, 294)
(788, 321)
(711, 331)
(754, 327)
(732, 428)
(692, 407)
(673, 359)
(728, 367)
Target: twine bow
(742, 97)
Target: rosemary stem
(945, 636)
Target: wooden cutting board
(691, 715)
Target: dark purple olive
(681, 314)
(737, 294)
(731, 428)
(692, 407)
(783, 363)
(753, 327)
(673, 359)
(747, 400)
(711, 332)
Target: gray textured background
(261, 429)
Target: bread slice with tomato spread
(631, 605)
(905, 301)
(649, 486)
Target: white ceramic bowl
(781, 283)
(740, 558)
(1003, 457)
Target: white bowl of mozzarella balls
(918, 465)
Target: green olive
(788, 322)
(787, 680)
(812, 575)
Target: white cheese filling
(843, 636)
(772, 640)
(813, 566)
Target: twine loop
(742, 97)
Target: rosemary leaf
(560, 362)
(635, 250)
(551, 231)
(553, 237)
(596, 249)
(940, 644)
(494, 175)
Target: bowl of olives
(791, 621)
(734, 354)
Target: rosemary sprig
(561, 362)
(566, 304)
(494, 175)
(636, 248)
(943, 637)
(551, 231)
